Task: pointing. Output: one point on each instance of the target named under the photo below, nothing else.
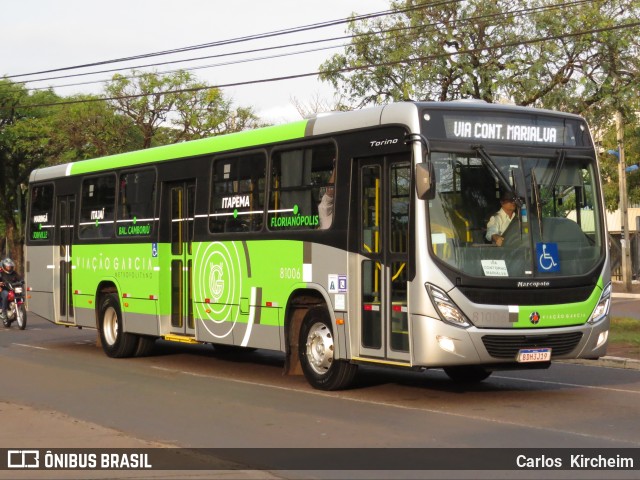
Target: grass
(625, 330)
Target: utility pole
(624, 217)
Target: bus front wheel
(316, 351)
(116, 343)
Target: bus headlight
(448, 311)
(602, 308)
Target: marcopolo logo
(534, 318)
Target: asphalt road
(190, 396)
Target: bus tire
(116, 343)
(316, 353)
(144, 346)
(467, 373)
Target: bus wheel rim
(110, 326)
(320, 348)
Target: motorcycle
(16, 310)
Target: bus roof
(404, 113)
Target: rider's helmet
(8, 265)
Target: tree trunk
(13, 247)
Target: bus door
(179, 202)
(65, 210)
(384, 200)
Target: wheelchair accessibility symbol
(548, 258)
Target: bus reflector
(153, 297)
(125, 295)
(207, 300)
(368, 307)
(126, 304)
(76, 292)
(340, 321)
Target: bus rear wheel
(316, 351)
(467, 373)
(144, 346)
(116, 343)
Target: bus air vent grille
(507, 346)
(506, 296)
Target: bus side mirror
(425, 181)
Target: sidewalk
(620, 292)
(25, 427)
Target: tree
(25, 133)
(316, 104)
(529, 53)
(579, 57)
(175, 107)
(89, 128)
(609, 166)
(438, 51)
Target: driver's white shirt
(498, 223)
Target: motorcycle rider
(7, 274)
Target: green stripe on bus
(224, 274)
(278, 133)
(562, 315)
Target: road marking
(405, 407)
(593, 387)
(29, 346)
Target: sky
(40, 35)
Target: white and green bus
(349, 239)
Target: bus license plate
(527, 355)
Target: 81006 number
(290, 273)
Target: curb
(607, 361)
(625, 295)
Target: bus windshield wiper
(535, 189)
(491, 165)
(518, 201)
(558, 168)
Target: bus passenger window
(97, 207)
(237, 194)
(327, 201)
(302, 188)
(136, 203)
(400, 195)
(41, 220)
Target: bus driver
(499, 222)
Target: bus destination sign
(506, 132)
(501, 128)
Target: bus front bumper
(438, 344)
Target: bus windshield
(516, 216)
